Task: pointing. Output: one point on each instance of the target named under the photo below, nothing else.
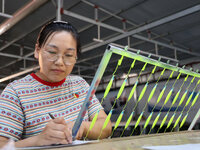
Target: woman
(26, 103)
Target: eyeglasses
(68, 59)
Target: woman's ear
(36, 52)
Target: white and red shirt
(25, 104)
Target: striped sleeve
(11, 114)
(94, 105)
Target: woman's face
(62, 44)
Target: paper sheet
(9, 146)
(76, 142)
(174, 147)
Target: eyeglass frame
(57, 57)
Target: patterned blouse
(25, 104)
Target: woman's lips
(57, 70)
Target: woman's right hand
(55, 132)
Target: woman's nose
(59, 60)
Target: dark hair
(55, 26)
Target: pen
(52, 117)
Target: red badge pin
(76, 95)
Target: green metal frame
(101, 69)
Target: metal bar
(96, 13)
(15, 56)
(3, 6)
(21, 36)
(129, 41)
(91, 25)
(26, 47)
(99, 32)
(156, 48)
(19, 59)
(175, 54)
(85, 67)
(5, 15)
(24, 72)
(77, 16)
(197, 116)
(10, 63)
(24, 63)
(107, 12)
(146, 53)
(18, 45)
(165, 45)
(18, 74)
(86, 59)
(80, 17)
(58, 11)
(131, 49)
(20, 14)
(122, 31)
(124, 25)
(132, 55)
(54, 3)
(93, 87)
(130, 22)
(150, 25)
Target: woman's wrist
(86, 126)
(31, 141)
